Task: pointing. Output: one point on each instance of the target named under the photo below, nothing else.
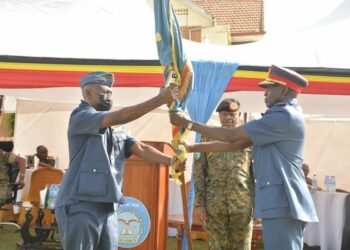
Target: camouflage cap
(282, 76)
(97, 77)
(228, 105)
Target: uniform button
(94, 170)
(255, 181)
(268, 183)
(253, 161)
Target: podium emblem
(133, 223)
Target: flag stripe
(28, 73)
(16, 78)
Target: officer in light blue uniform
(282, 198)
(92, 187)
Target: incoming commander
(282, 198)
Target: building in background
(223, 22)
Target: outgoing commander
(92, 187)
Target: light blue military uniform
(282, 198)
(91, 188)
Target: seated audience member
(306, 169)
(8, 159)
(43, 155)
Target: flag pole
(185, 211)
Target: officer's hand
(181, 167)
(169, 94)
(20, 184)
(189, 147)
(178, 119)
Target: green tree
(11, 123)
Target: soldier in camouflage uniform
(7, 158)
(224, 190)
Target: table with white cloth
(327, 233)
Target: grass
(9, 238)
(197, 244)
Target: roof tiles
(243, 16)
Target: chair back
(40, 178)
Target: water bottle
(35, 162)
(327, 183)
(56, 162)
(47, 195)
(314, 182)
(330, 181)
(53, 195)
(333, 181)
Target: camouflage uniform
(5, 190)
(224, 186)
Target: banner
(177, 70)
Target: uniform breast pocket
(272, 193)
(93, 182)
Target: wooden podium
(149, 183)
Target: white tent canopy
(107, 29)
(104, 29)
(96, 29)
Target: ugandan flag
(177, 70)
(44, 72)
(170, 50)
(17, 72)
(326, 81)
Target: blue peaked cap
(97, 77)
